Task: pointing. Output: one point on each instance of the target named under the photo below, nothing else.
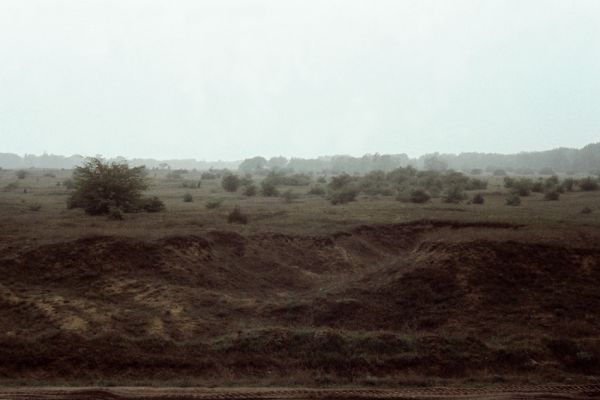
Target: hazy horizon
(228, 80)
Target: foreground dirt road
(497, 392)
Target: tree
(101, 187)
(254, 164)
(231, 183)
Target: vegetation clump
(513, 200)
(317, 190)
(419, 196)
(212, 204)
(188, 198)
(343, 195)
(588, 184)
(478, 199)
(101, 187)
(288, 196)
(552, 195)
(237, 217)
(454, 195)
(268, 188)
(250, 190)
(231, 182)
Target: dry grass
(305, 293)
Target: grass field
(373, 292)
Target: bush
(152, 204)
(115, 214)
(230, 182)
(268, 188)
(11, 186)
(212, 204)
(586, 210)
(237, 217)
(522, 187)
(551, 195)
(499, 172)
(537, 187)
(191, 184)
(317, 191)
(250, 190)
(69, 184)
(568, 184)
(476, 184)
(454, 195)
(343, 196)
(419, 196)
(208, 176)
(22, 174)
(588, 184)
(478, 199)
(187, 198)
(340, 181)
(288, 196)
(35, 207)
(101, 187)
(513, 200)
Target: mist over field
(228, 80)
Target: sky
(231, 79)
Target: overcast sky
(229, 79)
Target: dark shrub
(115, 214)
(212, 204)
(476, 184)
(419, 196)
(586, 210)
(101, 187)
(35, 207)
(522, 187)
(340, 181)
(152, 204)
(343, 195)
(537, 187)
(317, 191)
(208, 176)
(551, 195)
(250, 190)
(268, 188)
(187, 198)
(237, 217)
(499, 172)
(568, 184)
(513, 200)
(22, 174)
(231, 183)
(478, 199)
(69, 184)
(588, 184)
(11, 186)
(454, 195)
(288, 196)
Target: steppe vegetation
(405, 276)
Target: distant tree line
(562, 160)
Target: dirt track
(498, 392)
